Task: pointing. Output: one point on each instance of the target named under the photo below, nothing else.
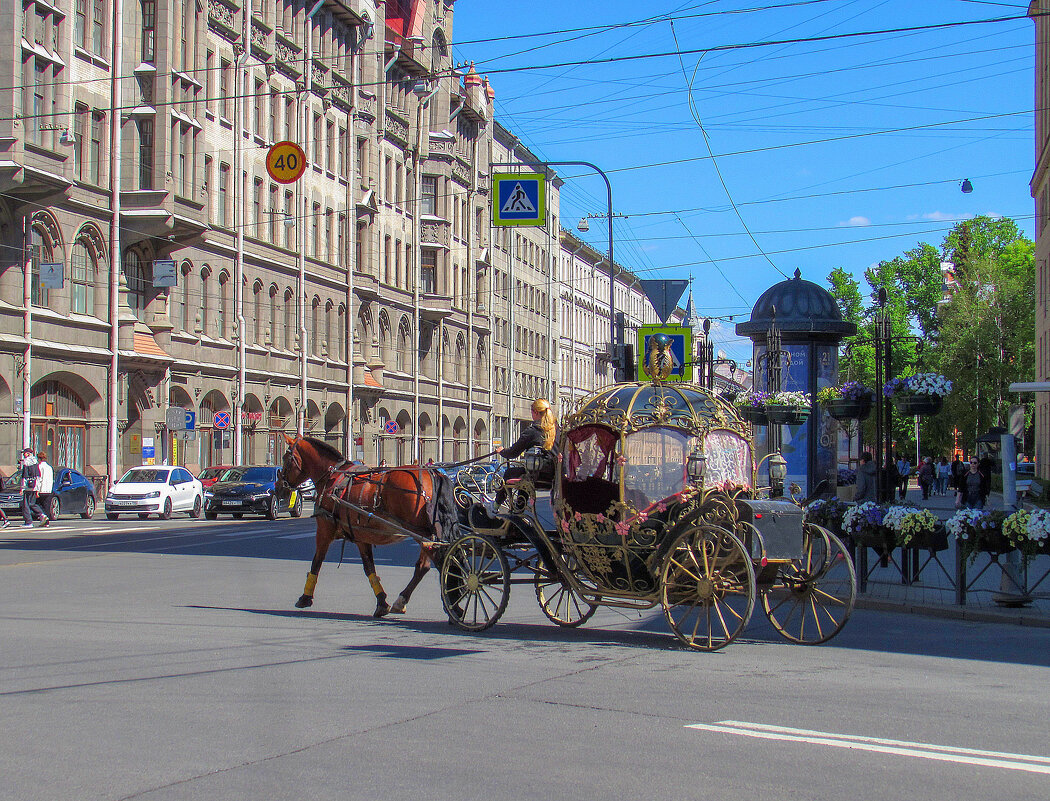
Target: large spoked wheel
(560, 602)
(475, 582)
(707, 587)
(813, 597)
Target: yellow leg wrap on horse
(311, 582)
(377, 586)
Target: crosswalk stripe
(942, 753)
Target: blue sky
(806, 136)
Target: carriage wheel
(812, 597)
(707, 587)
(560, 602)
(475, 582)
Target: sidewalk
(934, 593)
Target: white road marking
(303, 536)
(942, 753)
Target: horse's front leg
(423, 563)
(369, 565)
(325, 534)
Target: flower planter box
(845, 409)
(754, 414)
(993, 542)
(786, 415)
(880, 540)
(918, 405)
(936, 540)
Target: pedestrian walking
(30, 481)
(890, 479)
(4, 522)
(865, 479)
(904, 474)
(927, 475)
(975, 488)
(47, 481)
(944, 476)
(958, 473)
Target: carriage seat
(591, 496)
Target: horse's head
(292, 471)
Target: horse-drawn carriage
(653, 502)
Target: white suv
(158, 490)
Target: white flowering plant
(1028, 532)
(908, 522)
(970, 526)
(918, 384)
(799, 400)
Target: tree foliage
(977, 327)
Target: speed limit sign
(286, 162)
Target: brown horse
(395, 494)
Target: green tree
(978, 330)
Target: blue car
(71, 494)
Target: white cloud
(940, 216)
(856, 222)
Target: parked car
(209, 475)
(71, 494)
(252, 490)
(158, 490)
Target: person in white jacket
(46, 484)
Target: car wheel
(166, 512)
(211, 515)
(198, 504)
(297, 510)
(111, 516)
(54, 508)
(271, 511)
(89, 509)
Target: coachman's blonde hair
(547, 423)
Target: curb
(1015, 618)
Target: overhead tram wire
(714, 161)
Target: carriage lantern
(533, 460)
(694, 466)
(777, 474)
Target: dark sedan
(251, 490)
(71, 494)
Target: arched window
(135, 277)
(384, 339)
(203, 318)
(59, 424)
(224, 300)
(185, 321)
(257, 312)
(82, 267)
(340, 334)
(271, 332)
(401, 352)
(315, 344)
(289, 320)
(327, 346)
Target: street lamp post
(772, 358)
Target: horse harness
(339, 482)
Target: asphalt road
(165, 660)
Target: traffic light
(626, 370)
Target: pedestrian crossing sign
(519, 198)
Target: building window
(145, 129)
(257, 196)
(138, 286)
(289, 221)
(257, 313)
(80, 113)
(185, 271)
(95, 148)
(203, 317)
(42, 253)
(289, 320)
(225, 91)
(81, 280)
(224, 190)
(149, 24)
(224, 299)
(259, 102)
(428, 203)
(428, 272)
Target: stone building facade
(1040, 186)
(367, 303)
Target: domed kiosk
(810, 327)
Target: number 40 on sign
(286, 162)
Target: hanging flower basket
(918, 405)
(786, 415)
(918, 395)
(756, 415)
(845, 409)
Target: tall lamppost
(773, 357)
